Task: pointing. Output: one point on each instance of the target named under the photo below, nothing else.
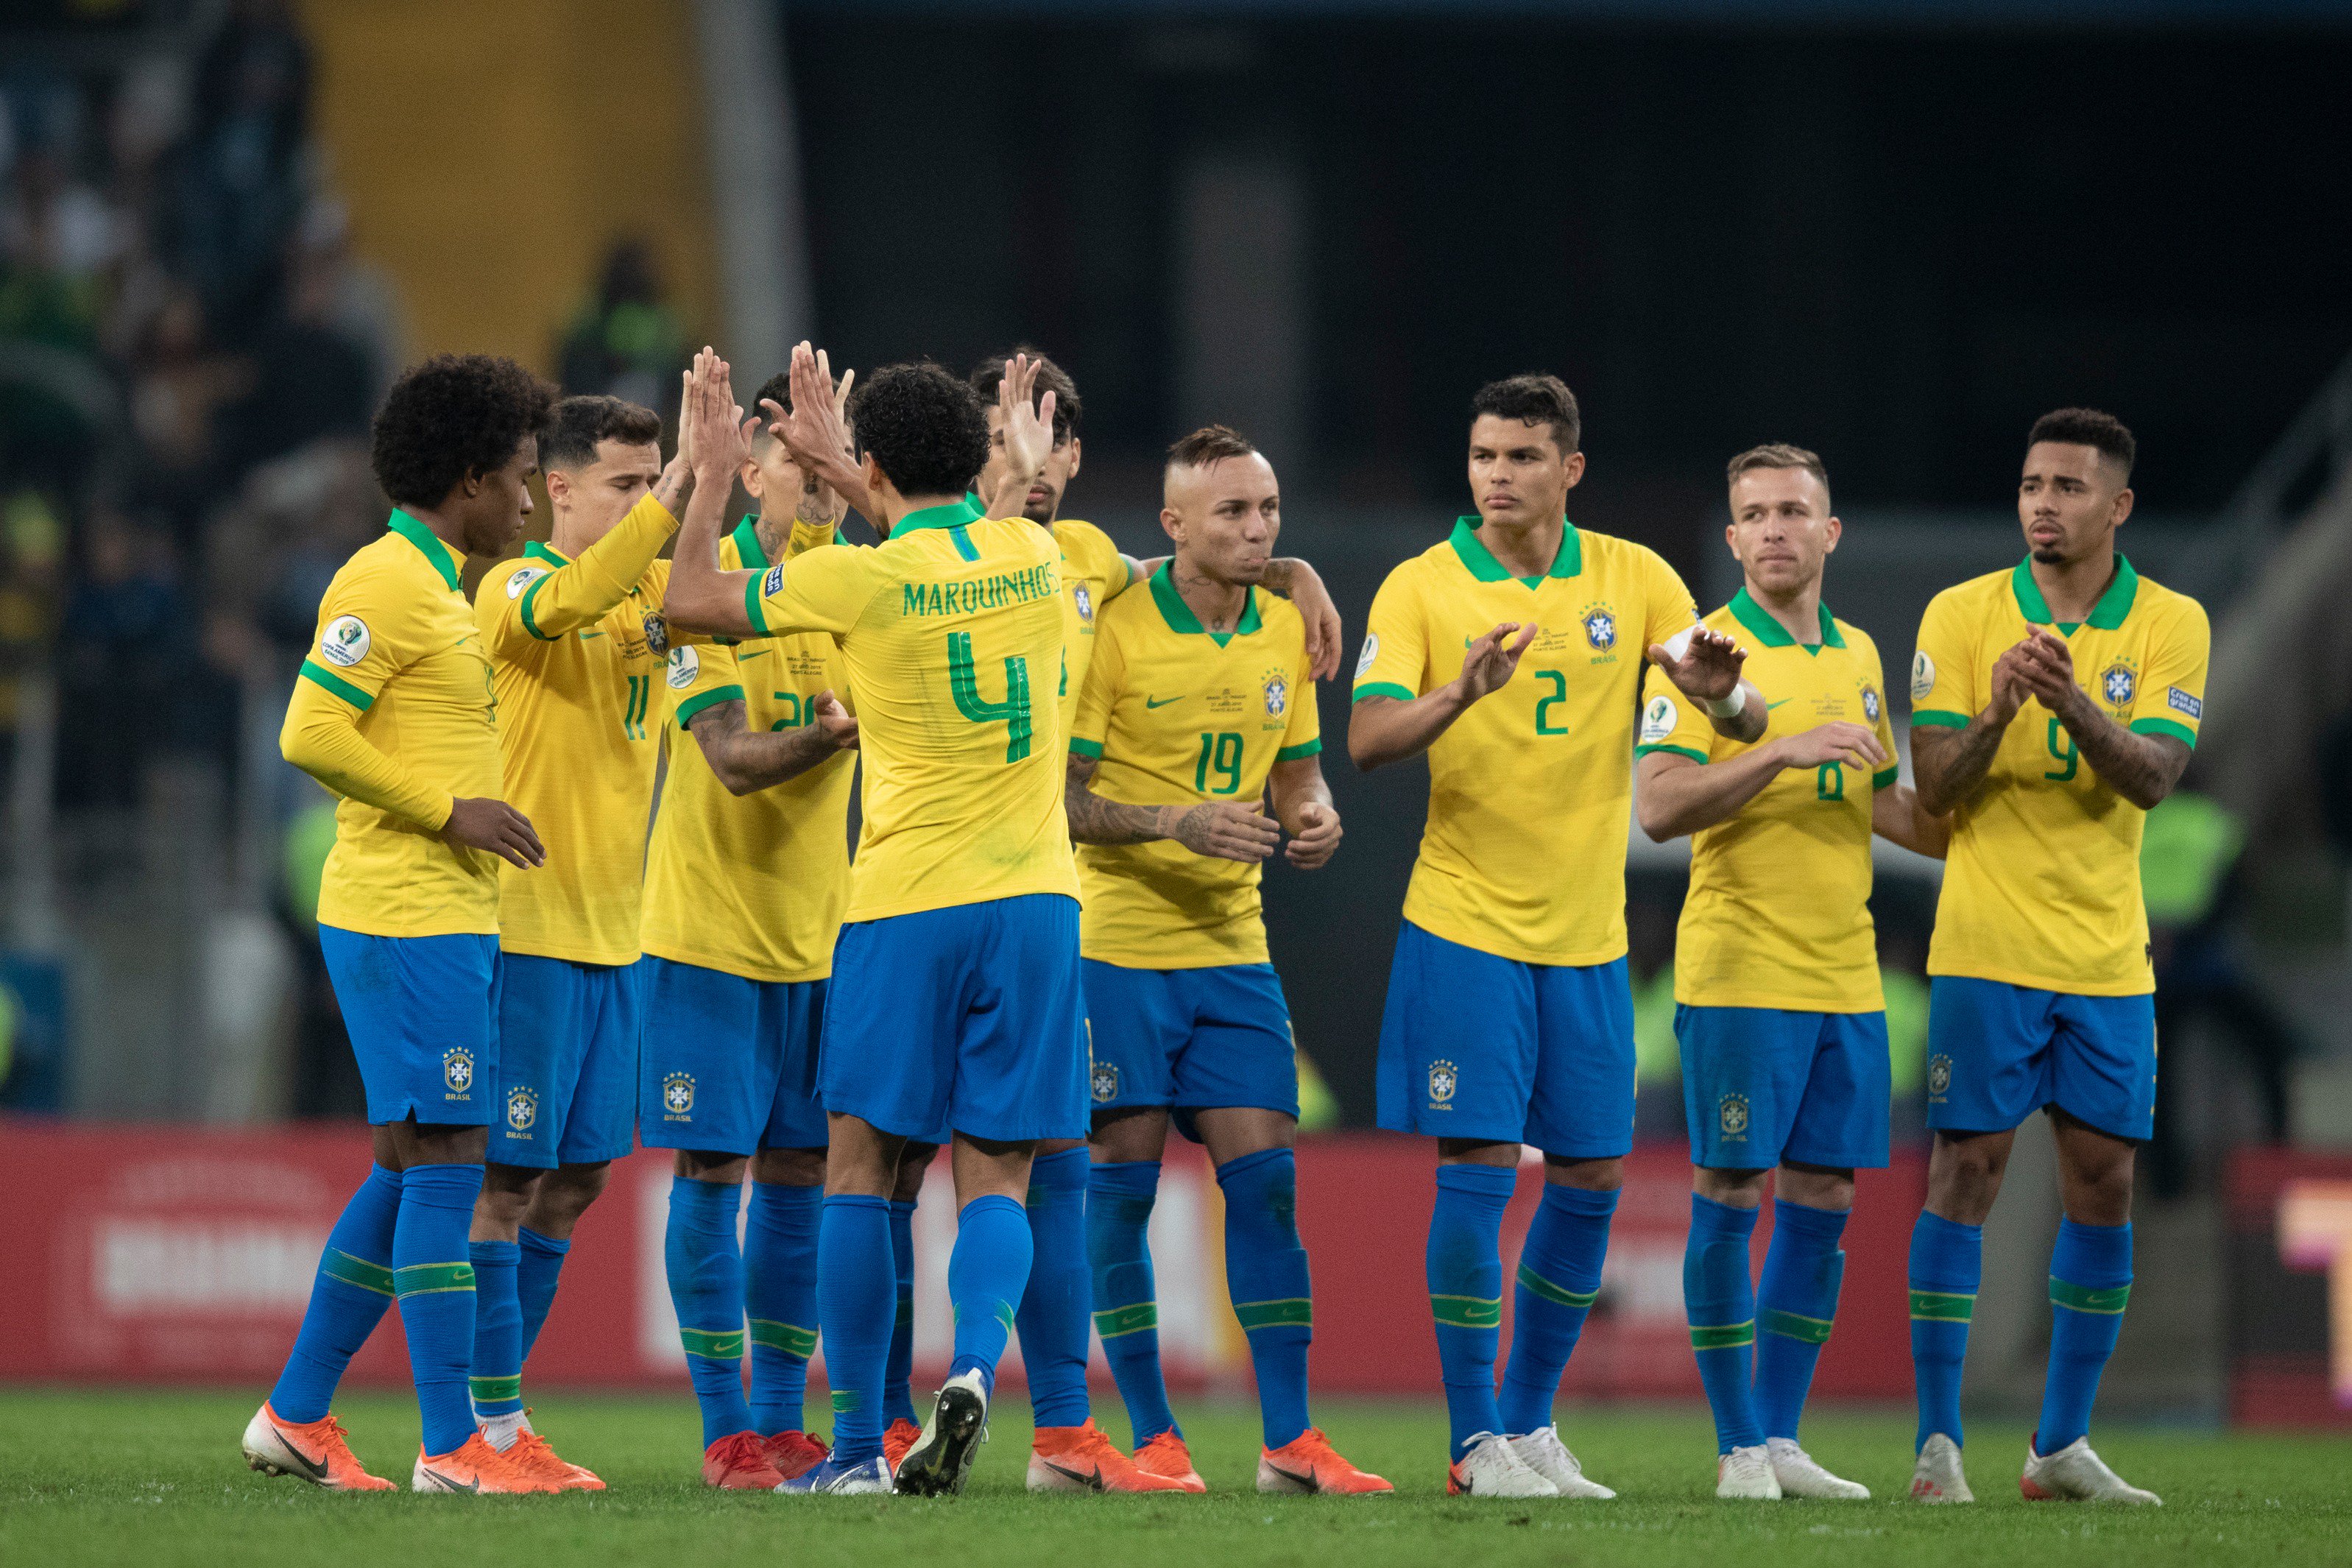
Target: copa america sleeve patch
(1370, 652)
(1923, 675)
(773, 583)
(345, 641)
(2183, 701)
(1658, 719)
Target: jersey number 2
(964, 680)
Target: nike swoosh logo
(314, 1469)
(1090, 1480)
(585, 635)
(1161, 701)
(747, 658)
(1307, 1480)
(1769, 706)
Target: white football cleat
(1491, 1468)
(2075, 1474)
(1937, 1477)
(1801, 1475)
(1747, 1473)
(942, 1455)
(1542, 1452)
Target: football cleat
(1542, 1452)
(899, 1439)
(475, 1467)
(1083, 1459)
(739, 1462)
(1746, 1472)
(1936, 1478)
(1490, 1468)
(319, 1452)
(792, 1453)
(1309, 1462)
(942, 1455)
(2075, 1474)
(871, 1478)
(1166, 1455)
(532, 1452)
(1801, 1475)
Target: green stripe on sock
(1133, 1319)
(1297, 1311)
(1723, 1337)
(710, 1346)
(844, 1399)
(1551, 1292)
(1795, 1326)
(2084, 1298)
(493, 1390)
(1467, 1312)
(357, 1271)
(789, 1338)
(425, 1279)
(1942, 1307)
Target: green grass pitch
(154, 1478)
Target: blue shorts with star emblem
(1761, 1084)
(1499, 1051)
(423, 1015)
(1997, 1053)
(730, 1063)
(1188, 1039)
(567, 1072)
(966, 1018)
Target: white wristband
(1729, 707)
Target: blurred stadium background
(1892, 231)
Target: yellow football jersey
(1530, 791)
(396, 713)
(952, 631)
(1094, 573)
(1178, 715)
(578, 646)
(2042, 887)
(751, 885)
(1779, 909)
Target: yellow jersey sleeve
(1106, 673)
(542, 597)
(1882, 723)
(1671, 609)
(2170, 698)
(367, 630)
(1303, 736)
(818, 591)
(701, 678)
(1944, 679)
(1671, 722)
(1395, 659)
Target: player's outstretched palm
(1708, 668)
(480, 823)
(839, 724)
(1228, 830)
(1836, 742)
(1488, 664)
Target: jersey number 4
(964, 680)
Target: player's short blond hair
(1777, 455)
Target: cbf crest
(1731, 1115)
(1084, 598)
(2119, 683)
(1939, 1077)
(1444, 1080)
(657, 634)
(678, 1096)
(1599, 626)
(1277, 693)
(1102, 1077)
(1870, 703)
(457, 1072)
(522, 1109)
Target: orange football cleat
(1166, 1455)
(1309, 1462)
(1082, 1460)
(902, 1436)
(317, 1451)
(533, 1453)
(794, 1453)
(475, 1467)
(739, 1463)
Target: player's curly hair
(578, 424)
(2087, 428)
(1533, 400)
(1068, 412)
(454, 414)
(922, 425)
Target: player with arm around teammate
(1782, 1028)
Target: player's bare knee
(1590, 1175)
(789, 1167)
(712, 1165)
(1129, 1135)
(1732, 1188)
(1476, 1152)
(1815, 1186)
(1964, 1174)
(914, 1163)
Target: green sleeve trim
(1304, 749)
(1885, 778)
(2180, 733)
(755, 606)
(530, 595)
(703, 699)
(1936, 715)
(1381, 689)
(320, 675)
(1693, 753)
(1085, 748)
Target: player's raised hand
(1317, 838)
(1028, 428)
(1313, 602)
(816, 431)
(690, 383)
(1488, 663)
(1708, 668)
(837, 723)
(2009, 686)
(1836, 742)
(480, 823)
(1228, 830)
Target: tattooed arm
(1226, 830)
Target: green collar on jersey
(1179, 616)
(1772, 634)
(951, 514)
(1482, 564)
(429, 544)
(535, 551)
(2106, 614)
(747, 545)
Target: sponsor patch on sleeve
(2184, 703)
(773, 583)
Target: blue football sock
(496, 1379)
(1265, 1275)
(2090, 1282)
(704, 1264)
(986, 1274)
(1946, 1264)
(1126, 1312)
(434, 1285)
(347, 1299)
(1720, 1299)
(1796, 1301)
(854, 1284)
(780, 1300)
(535, 1276)
(1558, 1279)
(1052, 1321)
(1464, 1263)
(899, 1367)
